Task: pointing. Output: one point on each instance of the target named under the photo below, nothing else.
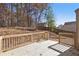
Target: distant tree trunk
(17, 14)
(10, 17)
(11, 14)
(27, 16)
(4, 16)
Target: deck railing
(67, 38)
(11, 41)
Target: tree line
(23, 14)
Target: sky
(64, 12)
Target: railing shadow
(64, 49)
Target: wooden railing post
(0, 43)
(74, 40)
(47, 35)
(59, 38)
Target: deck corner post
(1, 43)
(76, 43)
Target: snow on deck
(36, 49)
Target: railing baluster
(3, 44)
(12, 42)
(15, 41)
(9, 42)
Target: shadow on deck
(64, 49)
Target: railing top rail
(65, 33)
(7, 36)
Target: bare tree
(21, 14)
